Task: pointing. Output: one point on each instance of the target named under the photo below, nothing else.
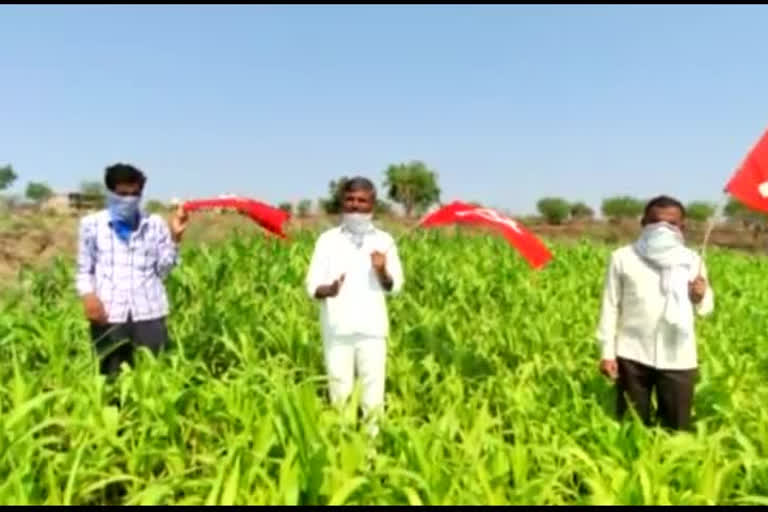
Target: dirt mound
(34, 243)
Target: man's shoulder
(336, 231)
(623, 252)
(384, 235)
(329, 234)
(628, 252)
(94, 218)
(156, 221)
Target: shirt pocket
(146, 256)
(145, 253)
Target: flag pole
(752, 164)
(711, 226)
(720, 208)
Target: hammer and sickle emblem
(493, 216)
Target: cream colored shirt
(632, 310)
(360, 307)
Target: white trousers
(368, 356)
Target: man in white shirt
(653, 289)
(354, 266)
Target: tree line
(38, 192)
(414, 187)
(556, 210)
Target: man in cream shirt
(652, 290)
(354, 266)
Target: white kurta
(631, 314)
(360, 307)
(354, 324)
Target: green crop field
(493, 394)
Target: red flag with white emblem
(749, 184)
(532, 249)
(266, 216)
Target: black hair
(123, 173)
(359, 183)
(663, 202)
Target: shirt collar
(143, 219)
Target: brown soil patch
(36, 239)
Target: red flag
(749, 184)
(266, 216)
(532, 249)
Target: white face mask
(662, 234)
(661, 243)
(357, 223)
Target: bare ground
(36, 239)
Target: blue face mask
(123, 208)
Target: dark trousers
(674, 393)
(115, 343)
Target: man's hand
(609, 368)
(94, 309)
(329, 290)
(697, 289)
(379, 263)
(179, 224)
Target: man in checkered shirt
(124, 255)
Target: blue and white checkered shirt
(126, 276)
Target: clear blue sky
(507, 103)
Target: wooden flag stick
(711, 226)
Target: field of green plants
(493, 393)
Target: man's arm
(167, 250)
(84, 275)
(316, 271)
(609, 314)
(707, 303)
(86, 259)
(394, 270)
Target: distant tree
(304, 207)
(751, 220)
(699, 211)
(38, 192)
(413, 185)
(554, 209)
(94, 191)
(7, 177)
(286, 207)
(581, 211)
(155, 206)
(93, 188)
(332, 205)
(736, 211)
(625, 207)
